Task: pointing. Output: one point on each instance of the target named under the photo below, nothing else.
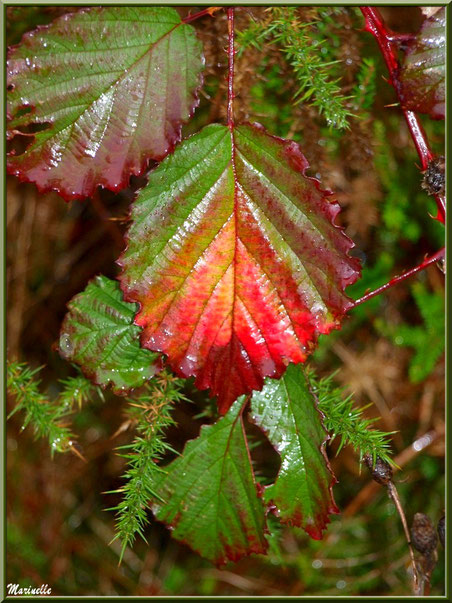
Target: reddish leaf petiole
(397, 279)
(202, 13)
(387, 42)
(231, 67)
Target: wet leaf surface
(211, 500)
(98, 334)
(235, 260)
(113, 85)
(423, 73)
(286, 410)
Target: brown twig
(365, 495)
(394, 495)
(382, 473)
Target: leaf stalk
(428, 261)
(231, 53)
(202, 13)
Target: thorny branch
(388, 46)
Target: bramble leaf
(98, 334)
(423, 73)
(235, 260)
(113, 85)
(286, 410)
(210, 497)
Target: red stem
(427, 262)
(230, 67)
(387, 41)
(207, 11)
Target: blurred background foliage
(388, 353)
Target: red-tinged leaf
(99, 335)
(286, 410)
(234, 259)
(423, 73)
(113, 86)
(210, 496)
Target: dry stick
(393, 494)
(388, 46)
(371, 489)
(382, 474)
(397, 279)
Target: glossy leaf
(286, 410)
(98, 334)
(209, 495)
(113, 86)
(423, 70)
(234, 259)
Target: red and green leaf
(209, 496)
(235, 260)
(423, 73)
(113, 86)
(286, 410)
(99, 335)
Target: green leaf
(103, 90)
(98, 333)
(423, 73)
(286, 410)
(211, 499)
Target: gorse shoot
(312, 73)
(342, 420)
(48, 418)
(150, 414)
